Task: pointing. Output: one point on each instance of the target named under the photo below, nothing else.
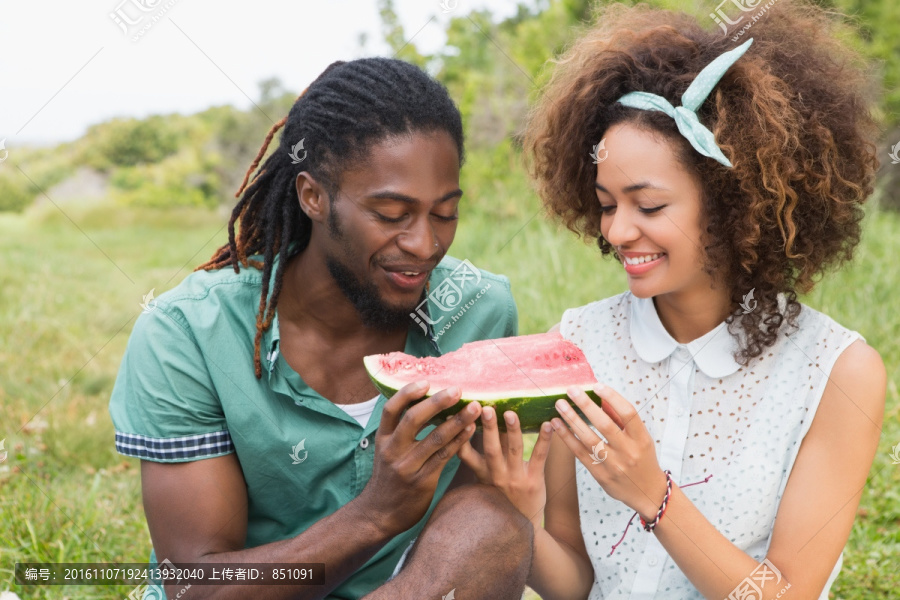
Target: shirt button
(364, 443)
(652, 561)
(679, 411)
(682, 353)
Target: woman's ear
(312, 197)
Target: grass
(71, 291)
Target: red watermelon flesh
(526, 374)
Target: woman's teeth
(642, 259)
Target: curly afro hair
(792, 115)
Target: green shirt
(186, 391)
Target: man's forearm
(342, 541)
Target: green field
(71, 292)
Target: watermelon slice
(525, 374)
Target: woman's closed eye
(609, 208)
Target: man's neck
(322, 335)
(310, 299)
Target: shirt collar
(713, 352)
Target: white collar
(713, 352)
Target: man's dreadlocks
(347, 109)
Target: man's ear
(312, 197)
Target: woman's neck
(691, 315)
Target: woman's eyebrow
(635, 187)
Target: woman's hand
(504, 467)
(623, 460)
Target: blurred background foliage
(492, 67)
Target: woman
(724, 177)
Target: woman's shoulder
(815, 325)
(840, 353)
(856, 364)
(859, 375)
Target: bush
(187, 178)
(130, 142)
(15, 193)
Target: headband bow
(701, 138)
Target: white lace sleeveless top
(708, 416)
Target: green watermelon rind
(532, 410)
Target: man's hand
(406, 471)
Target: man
(290, 455)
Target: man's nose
(420, 239)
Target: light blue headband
(701, 138)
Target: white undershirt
(361, 411)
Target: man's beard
(373, 311)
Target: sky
(65, 65)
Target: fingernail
(487, 414)
(510, 417)
(470, 428)
(555, 424)
(562, 406)
(599, 388)
(421, 384)
(546, 427)
(453, 391)
(472, 408)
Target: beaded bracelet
(662, 507)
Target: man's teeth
(642, 259)
(410, 273)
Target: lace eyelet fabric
(707, 415)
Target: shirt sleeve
(164, 405)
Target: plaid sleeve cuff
(191, 447)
